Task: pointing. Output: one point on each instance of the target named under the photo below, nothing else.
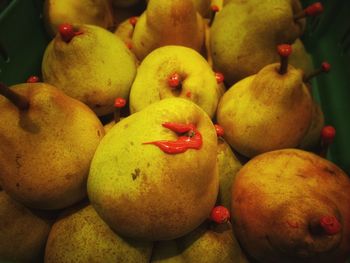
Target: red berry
(219, 130)
(33, 79)
(284, 50)
(66, 31)
(174, 80)
(219, 77)
(328, 134)
(326, 67)
(119, 102)
(133, 20)
(188, 94)
(214, 8)
(220, 214)
(314, 9)
(330, 225)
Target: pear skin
(23, 234)
(280, 201)
(145, 193)
(166, 22)
(266, 111)
(198, 82)
(300, 58)
(47, 149)
(84, 237)
(244, 35)
(95, 67)
(94, 12)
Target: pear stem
(325, 68)
(326, 225)
(118, 104)
(312, 10)
(284, 51)
(213, 10)
(327, 138)
(18, 100)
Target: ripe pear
(48, 140)
(23, 233)
(83, 237)
(228, 165)
(144, 191)
(94, 12)
(166, 22)
(292, 206)
(196, 80)
(244, 34)
(209, 243)
(267, 111)
(300, 58)
(91, 65)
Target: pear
(175, 71)
(166, 22)
(228, 165)
(89, 64)
(300, 58)
(153, 175)
(209, 243)
(94, 12)
(267, 111)
(244, 34)
(23, 233)
(83, 236)
(48, 140)
(292, 206)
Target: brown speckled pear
(83, 236)
(142, 191)
(292, 206)
(167, 22)
(23, 233)
(46, 148)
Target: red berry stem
(312, 10)
(327, 138)
(325, 68)
(118, 104)
(18, 100)
(326, 225)
(213, 10)
(284, 51)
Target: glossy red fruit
(330, 225)
(220, 214)
(219, 77)
(174, 80)
(33, 79)
(219, 130)
(284, 50)
(119, 102)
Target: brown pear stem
(118, 104)
(213, 10)
(284, 65)
(327, 138)
(313, 74)
(18, 100)
(284, 51)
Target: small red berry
(330, 225)
(220, 214)
(328, 134)
(314, 9)
(133, 20)
(188, 94)
(119, 102)
(33, 79)
(284, 50)
(326, 67)
(214, 8)
(174, 80)
(219, 130)
(66, 31)
(219, 77)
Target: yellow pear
(94, 12)
(166, 22)
(208, 243)
(23, 233)
(145, 182)
(155, 79)
(90, 64)
(83, 237)
(300, 58)
(48, 140)
(292, 206)
(267, 111)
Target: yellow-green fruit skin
(95, 67)
(46, 151)
(145, 193)
(198, 79)
(275, 198)
(84, 237)
(266, 111)
(23, 234)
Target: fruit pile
(171, 131)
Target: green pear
(144, 191)
(94, 12)
(244, 35)
(166, 22)
(228, 165)
(48, 140)
(267, 111)
(23, 233)
(292, 206)
(93, 66)
(196, 80)
(83, 237)
(208, 243)
(300, 58)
